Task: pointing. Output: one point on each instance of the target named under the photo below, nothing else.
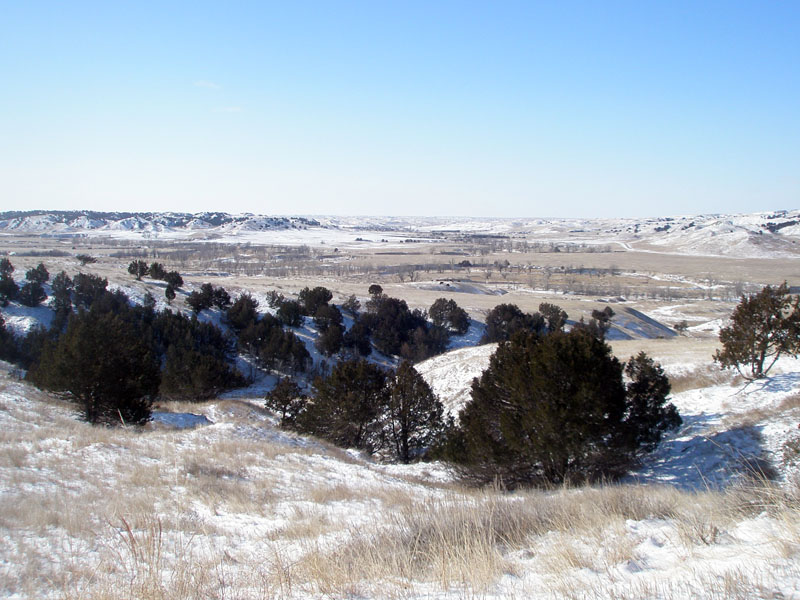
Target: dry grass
(219, 512)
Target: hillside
(235, 507)
(756, 235)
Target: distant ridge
(755, 235)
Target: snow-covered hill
(756, 235)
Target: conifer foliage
(763, 327)
(348, 406)
(102, 361)
(414, 415)
(554, 408)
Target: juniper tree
(243, 312)
(446, 313)
(649, 415)
(348, 405)
(138, 268)
(554, 408)
(290, 313)
(553, 315)
(157, 271)
(506, 319)
(174, 279)
(415, 414)
(62, 296)
(330, 340)
(8, 287)
(88, 288)
(102, 362)
(351, 306)
(287, 400)
(32, 294)
(38, 274)
(312, 299)
(763, 327)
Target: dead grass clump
(339, 492)
(702, 377)
(303, 523)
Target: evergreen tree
(102, 362)
(327, 316)
(200, 300)
(446, 313)
(504, 320)
(169, 294)
(351, 306)
(312, 299)
(290, 313)
(191, 374)
(601, 321)
(138, 268)
(174, 279)
(375, 290)
(330, 340)
(348, 406)
(6, 268)
(357, 338)
(38, 274)
(149, 301)
(414, 413)
(157, 271)
(32, 294)
(88, 288)
(8, 287)
(62, 296)
(243, 312)
(275, 299)
(763, 327)
(649, 414)
(554, 408)
(287, 400)
(554, 316)
(220, 298)
(8, 350)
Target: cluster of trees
(208, 296)
(173, 279)
(361, 405)
(114, 358)
(264, 338)
(396, 330)
(387, 323)
(32, 291)
(552, 407)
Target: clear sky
(565, 109)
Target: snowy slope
(748, 235)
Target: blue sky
(560, 109)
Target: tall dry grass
(220, 512)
